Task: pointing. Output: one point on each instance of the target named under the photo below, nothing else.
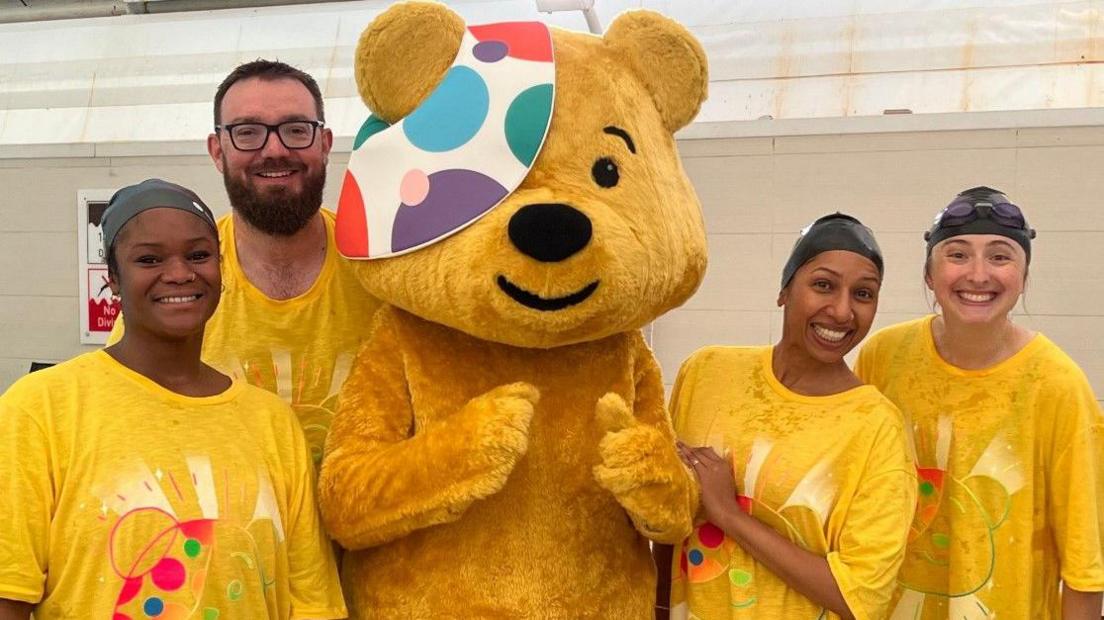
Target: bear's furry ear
(667, 58)
(404, 54)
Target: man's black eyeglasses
(253, 136)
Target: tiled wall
(756, 193)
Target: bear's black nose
(549, 232)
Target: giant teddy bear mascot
(502, 448)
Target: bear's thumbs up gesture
(641, 467)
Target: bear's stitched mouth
(532, 300)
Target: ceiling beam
(44, 10)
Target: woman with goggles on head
(137, 481)
(807, 485)
(1007, 430)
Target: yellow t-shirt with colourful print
(124, 500)
(1011, 476)
(833, 474)
(300, 348)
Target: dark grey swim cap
(981, 211)
(150, 194)
(837, 231)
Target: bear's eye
(605, 172)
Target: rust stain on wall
(783, 69)
(88, 108)
(848, 83)
(967, 55)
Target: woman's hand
(14, 610)
(717, 481)
(803, 570)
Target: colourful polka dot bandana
(458, 154)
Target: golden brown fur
(493, 460)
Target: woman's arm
(662, 555)
(802, 570)
(1078, 605)
(1075, 490)
(14, 610)
(28, 483)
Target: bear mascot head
(502, 448)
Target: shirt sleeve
(1076, 487)
(681, 393)
(872, 540)
(117, 330)
(313, 581)
(26, 504)
(864, 365)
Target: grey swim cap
(981, 211)
(837, 231)
(149, 194)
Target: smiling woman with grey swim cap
(164, 296)
(1008, 434)
(825, 489)
(137, 477)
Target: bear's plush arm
(384, 475)
(640, 464)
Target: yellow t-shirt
(831, 473)
(300, 348)
(122, 499)
(1011, 474)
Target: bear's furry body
(495, 457)
(511, 558)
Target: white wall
(757, 193)
(105, 83)
(1004, 94)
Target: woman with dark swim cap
(1008, 434)
(139, 482)
(807, 484)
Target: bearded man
(292, 314)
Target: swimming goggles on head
(996, 208)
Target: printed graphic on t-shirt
(707, 554)
(956, 518)
(306, 381)
(189, 542)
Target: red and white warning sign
(98, 309)
(102, 309)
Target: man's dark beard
(276, 212)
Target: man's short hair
(268, 70)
